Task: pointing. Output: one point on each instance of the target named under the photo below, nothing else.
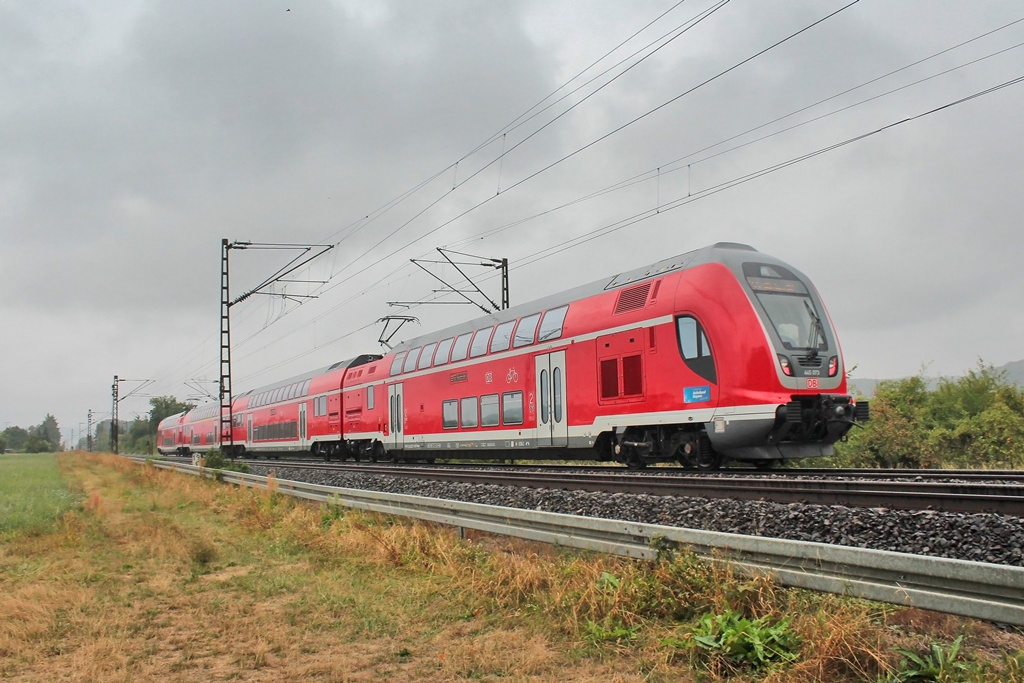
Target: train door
(396, 416)
(302, 425)
(552, 420)
(248, 432)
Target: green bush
(974, 421)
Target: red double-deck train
(723, 353)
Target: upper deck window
(410, 360)
(502, 336)
(461, 347)
(526, 331)
(551, 325)
(396, 364)
(479, 346)
(443, 347)
(426, 357)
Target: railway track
(970, 491)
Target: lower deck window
(468, 412)
(512, 408)
(489, 411)
(450, 414)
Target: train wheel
(705, 458)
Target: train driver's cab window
(479, 346)
(526, 331)
(502, 336)
(551, 325)
(461, 347)
(694, 347)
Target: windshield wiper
(817, 331)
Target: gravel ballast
(975, 537)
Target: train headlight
(833, 366)
(787, 369)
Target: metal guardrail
(971, 589)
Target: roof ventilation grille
(632, 298)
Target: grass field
(132, 573)
(32, 494)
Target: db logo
(812, 382)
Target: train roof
(720, 252)
(348, 363)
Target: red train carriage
(170, 435)
(721, 353)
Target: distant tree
(16, 437)
(37, 444)
(3, 445)
(140, 440)
(48, 430)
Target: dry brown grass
(166, 577)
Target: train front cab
(794, 402)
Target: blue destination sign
(697, 394)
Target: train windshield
(788, 305)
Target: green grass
(32, 494)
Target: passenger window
(426, 356)
(489, 410)
(396, 364)
(695, 349)
(410, 360)
(468, 411)
(450, 414)
(526, 331)
(479, 346)
(551, 326)
(443, 347)
(461, 347)
(502, 336)
(512, 408)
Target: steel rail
(949, 496)
(971, 589)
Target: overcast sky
(135, 135)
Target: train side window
(443, 347)
(556, 394)
(427, 356)
(502, 336)
(610, 378)
(305, 387)
(396, 364)
(410, 360)
(632, 376)
(450, 414)
(551, 325)
(489, 411)
(468, 411)
(461, 347)
(526, 331)
(695, 349)
(479, 346)
(369, 397)
(544, 393)
(512, 408)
